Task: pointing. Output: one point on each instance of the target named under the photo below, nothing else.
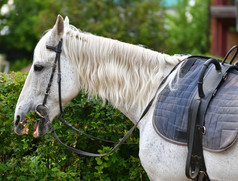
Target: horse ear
(66, 21)
(58, 29)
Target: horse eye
(38, 68)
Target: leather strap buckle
(202, 129)
(42, 110)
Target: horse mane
(121, 73)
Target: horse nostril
(17, 120)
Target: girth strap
(207, 87)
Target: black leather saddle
(200, 109)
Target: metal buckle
(225, 76)
(202, 175)
(214, 93)
(41, 110)
(202, 129)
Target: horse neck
(126, 75)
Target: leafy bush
(27, 158)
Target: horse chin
(40, 128)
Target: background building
(224, 26)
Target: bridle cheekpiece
(42, 109)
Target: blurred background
(169, 26)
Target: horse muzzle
(40, 126)
(20, 126)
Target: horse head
(38, 80)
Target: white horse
(127, 76)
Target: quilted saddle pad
(170, 117)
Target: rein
(42, 110)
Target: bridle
(42, 110)
(56, 49)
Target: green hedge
(27, 158)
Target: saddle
(200, 109)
